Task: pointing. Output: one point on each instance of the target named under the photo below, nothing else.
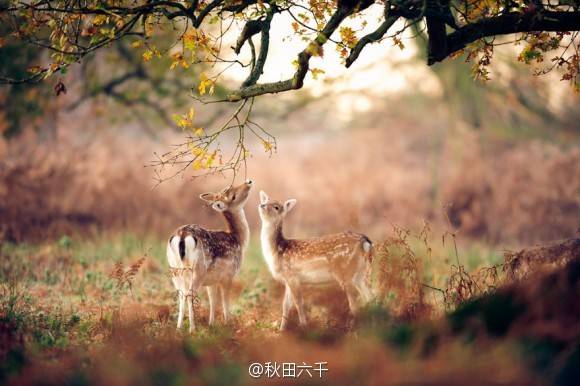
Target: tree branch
(373, 37)
(297, 80)
(509, 23)
(258, 68)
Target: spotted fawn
(344, 258)
(210, 258)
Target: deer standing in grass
(200, 257)
(344, 258)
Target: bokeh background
(390, 141)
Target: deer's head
(273, 212)
(231, 198)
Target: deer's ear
(289, 204)
(263, 197)
(207, 197)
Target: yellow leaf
(147, 55)
(100, 19)
(204, 83)
(34, 69)
(315, 72)
(137, 44)
(199, 131)
(211, 159)
(348, 36)
(267, 146)
(195, 150)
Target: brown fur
(214, 256)
(343, 258)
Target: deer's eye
(276, 208)
(234, 196)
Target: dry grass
(519, 265)
(100, 312)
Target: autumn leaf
(178, 60)
(268, 146)
(191, 113)
(34, 69)
(348, 36)
(100, 20)
(59, 88)
(315, 72)
(398, 42)
(204, 83)
(147, 55)
(196, 151)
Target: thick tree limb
(437, 44)
(258, 68)
(508, 24)
(251, 28)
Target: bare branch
(258, 67)
(297, 80)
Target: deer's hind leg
(212, 293)
(181, 301)
(178, 284)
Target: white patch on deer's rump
(190, 253)
(366, 246)
(173, 253)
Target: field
(101, 311)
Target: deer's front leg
(351, 295)
(296, 293)
(225, 291)
(286, 306)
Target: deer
(210, 258)
(343, 258)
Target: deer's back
(329, 246)
(215, 244)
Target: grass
(66, 319)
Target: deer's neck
(237, 225)
(273, 244)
